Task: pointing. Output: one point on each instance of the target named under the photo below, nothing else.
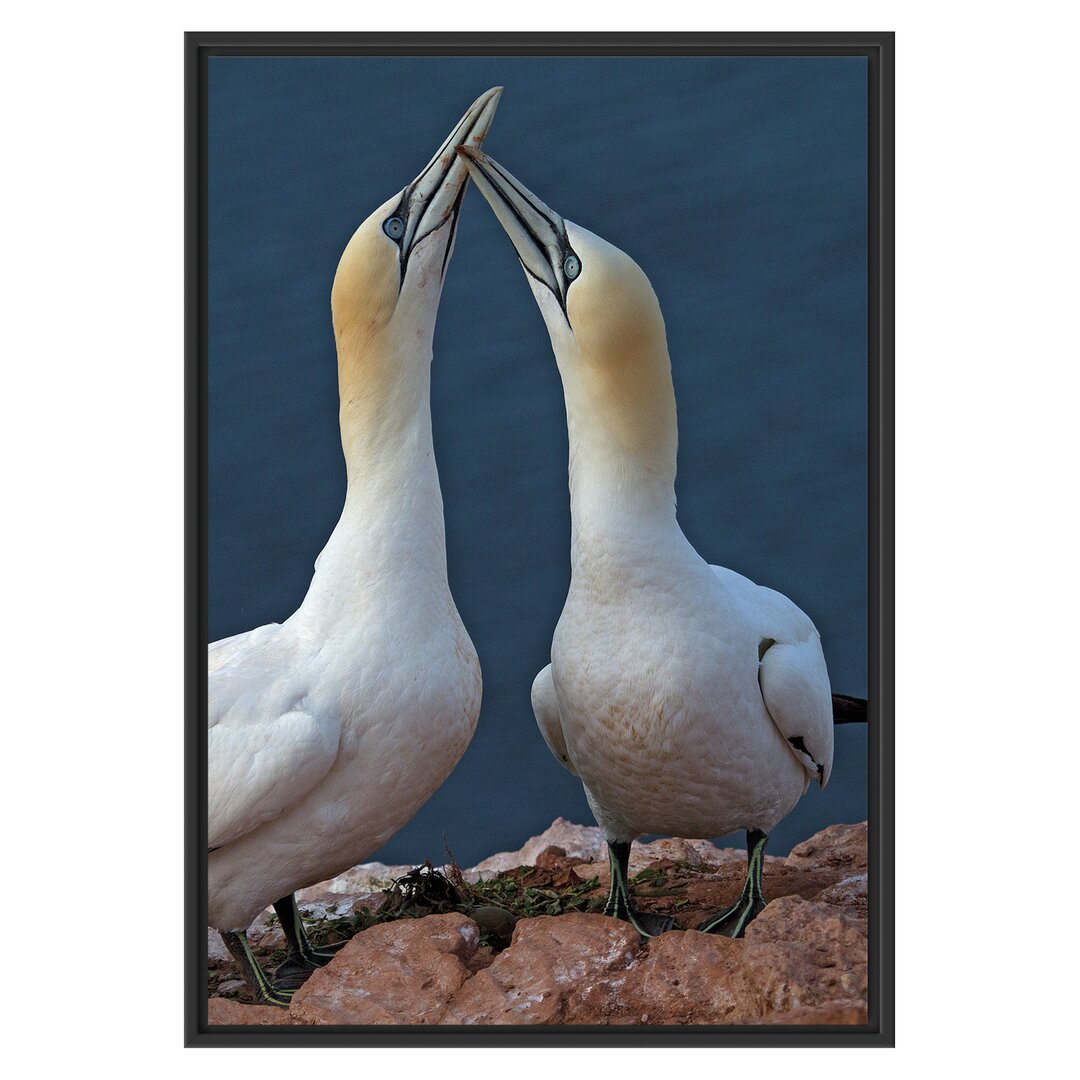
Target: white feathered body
(656, 686)
(690, 701)
(328, 732)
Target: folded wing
(545, 705)
(795, 688)
(259, 767)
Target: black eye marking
(399, 219)
(564, 260)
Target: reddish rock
(554, 857)
(672, 850)
(840, 849)
(851, 893)
(680, 978)
(265, 932)
(550, 961)
(801, 953)
(578, 841)
(401, 972)
(797, 956)
(688, 851)
(227, 1011)
(803, 960)
(340, 894)
(836, 1012)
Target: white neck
(391, 533)
(623, 443)
(612, 494)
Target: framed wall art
(490, 738)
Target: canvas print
(536, 526)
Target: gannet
(329, 731)
(689, 700)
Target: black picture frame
(879, 49)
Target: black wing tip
(849, 710)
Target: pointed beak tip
(488, 102)
(483, 113)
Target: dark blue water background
(739, 184)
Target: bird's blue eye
(571, 267)
(394, 227)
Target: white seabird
(329, 731)
(690, 701)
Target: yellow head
(605, 324)
(386, 292)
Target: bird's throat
(385, 415)
(623, 445)
(392, 522)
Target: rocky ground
(518, 940)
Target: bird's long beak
(434, 197)
(537, 232)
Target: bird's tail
(848, 710)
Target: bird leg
(618, 904)
(303, 957)
(733, 921)
(264, 992)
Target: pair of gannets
(689, 700)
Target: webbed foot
(650, 924)
(274, 996)
(262, 989)
(292, 973)
(618, 905)
(734, 921)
